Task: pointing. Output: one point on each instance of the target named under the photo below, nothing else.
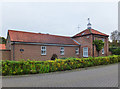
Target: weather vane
(78, 27)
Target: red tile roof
(2, 46)
(90, 31)
(21, 36)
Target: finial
(89, 24)
(88, 20)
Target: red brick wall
(88, 42)
(33, 52)
(5, 54)
(85, 42)
(106, 52)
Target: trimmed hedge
(33, 67)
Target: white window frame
(76, 51)
(103, 51)
(44, 50)
(62, 52)
(85, 52)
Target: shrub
(33, 67)
(115, 51)
(54, 56)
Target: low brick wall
(5, 54)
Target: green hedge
(33, 67)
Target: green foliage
(33, 67)
(99, 45)
(2, 40)
(54, 56)
(115, 50)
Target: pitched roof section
(2, 46)
(20, 36)
(90, 31)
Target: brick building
(37, 46)
(4, 53)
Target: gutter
(47, 44)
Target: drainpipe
(13, 50)
(93, 46)
(79, 51)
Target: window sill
(43, 55)
(85, 56)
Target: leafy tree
(2, 40)
(115, 37)
(99, 45)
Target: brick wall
(5, 54)
(33, 52)
(87, 41)
(105, 46)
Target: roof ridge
(39, 33)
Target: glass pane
(62, 48)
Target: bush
(33, 67)
(54, 56)
(115, 51)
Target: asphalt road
(102, 76)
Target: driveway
(101, 76)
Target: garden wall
(5, 54)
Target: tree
(2, 40)
(99, 45)
(115, 36)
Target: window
(103, 39)
(83, 33)
(87, 36)
(43, 50)
(21, 50)
(77, 50)
(62, 50)
(85, 51)
(102, 50)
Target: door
(85, 51)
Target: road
(102, 76)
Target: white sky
(59, 18)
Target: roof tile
(21, 36)
(2, 46)
(90, 31)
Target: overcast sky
(59, 18)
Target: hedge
(34, 67)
